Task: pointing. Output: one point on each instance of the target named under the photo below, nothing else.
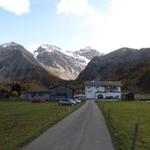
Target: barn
(61, 91)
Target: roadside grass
(121, 117)
(21, 122)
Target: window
(111, 88)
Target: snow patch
(77, 56)
(86, 49)
(12, 44)
(50, 48)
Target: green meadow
(121, 118)
(21, 122)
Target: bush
(14, 93)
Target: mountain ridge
(130, 66)
(17, 64)
(67, 63)
(125, 64)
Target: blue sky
(73, 24)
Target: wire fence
(129, 124)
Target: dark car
(66, 101)
(37, 99)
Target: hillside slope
(131, 66)
(17, 64)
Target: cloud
(126, 23)
(15, 6)
(75, 7)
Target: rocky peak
(11, 45)
(88, 52)
(47, 48)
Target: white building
(102, 89)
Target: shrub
(14, 93)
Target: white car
(66, 101)
(76, 100)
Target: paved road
(84, 129)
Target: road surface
(84, 129)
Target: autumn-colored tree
(16, 87)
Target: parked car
(76, 100)
(66, 101)
(37, 99)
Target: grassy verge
(121, 118)
(21, 122)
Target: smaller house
(129, 96)
(61, 91)
(29, 95)
(102, 89)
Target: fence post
(56, 115)
(109, 111)
(134, 136)
(102, 105)
(68, 109)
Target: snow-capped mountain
(65, 64)
(86, 53)
(17, 64)
(49, 61)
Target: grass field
(121, 118)
(20, 122)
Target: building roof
(102, 83)
(60, 86)
(37, 91)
